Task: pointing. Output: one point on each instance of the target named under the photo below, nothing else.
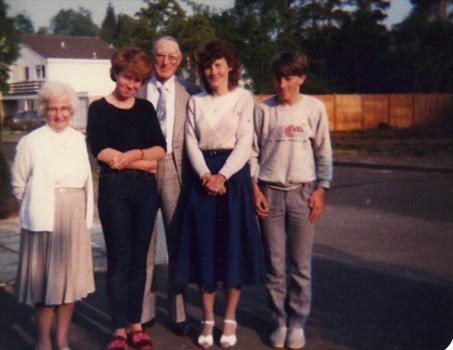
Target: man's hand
(316, 204)
(261, 203)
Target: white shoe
(227, 341)
(206, 341)
(295, 338)
(278, 337)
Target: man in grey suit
(169, 95)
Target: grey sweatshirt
(291, 144)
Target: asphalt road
(382, 269)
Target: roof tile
(66, 46)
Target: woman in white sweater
(219, 240)
(51, 178)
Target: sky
(41, 11)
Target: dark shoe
(181, 328)
(140, 340)
(117, 343)
(150, 323)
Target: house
(82, 62)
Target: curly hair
(214, 50)
(132, 60)
(56, 89)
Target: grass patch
(419, 141)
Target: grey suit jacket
(183, 91)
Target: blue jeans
(127, 209)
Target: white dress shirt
(153, 96)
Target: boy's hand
(316, 204)
(261, 203)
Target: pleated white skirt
(56, 267)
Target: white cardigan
(33, 177)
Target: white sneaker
(278, 337)
(295, 338)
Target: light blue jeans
(288, 241)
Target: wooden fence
(355, 112)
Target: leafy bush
(6, 200)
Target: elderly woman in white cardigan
(51, 178)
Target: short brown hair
(289, 63)
(131, 60)
(214, 50)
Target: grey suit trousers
(170, 202)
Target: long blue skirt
(219, 240)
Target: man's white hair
(166, 38)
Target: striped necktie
(161, 109)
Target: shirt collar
(169, 85)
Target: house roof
(66, 46)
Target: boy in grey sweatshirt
(291, 168)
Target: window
(27, 73)
(41, 72)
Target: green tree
(77, 23)
(10, 38)
(23, 23)
(422, 50)
(9, 51)
(191, 33)
(109, 25)
(354, 50)
(153, 20)
(258, 29)
(126, 26)
(42, 30)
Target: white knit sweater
(46, 160)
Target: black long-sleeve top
(122, 129)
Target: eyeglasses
(160, 58)
(65, 110)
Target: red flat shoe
(117, 343)
(140, 340)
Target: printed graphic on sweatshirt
(289, 133)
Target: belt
(68, 189)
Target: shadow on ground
(354, 307)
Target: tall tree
(77, 23)
(422, 50)
(109, 25)
(358, 56)
(23, 23)
(126, 26)
(9, 51)
(10, 38)
(191, 33)
(258, 28)
(153, 19)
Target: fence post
(389, 112)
